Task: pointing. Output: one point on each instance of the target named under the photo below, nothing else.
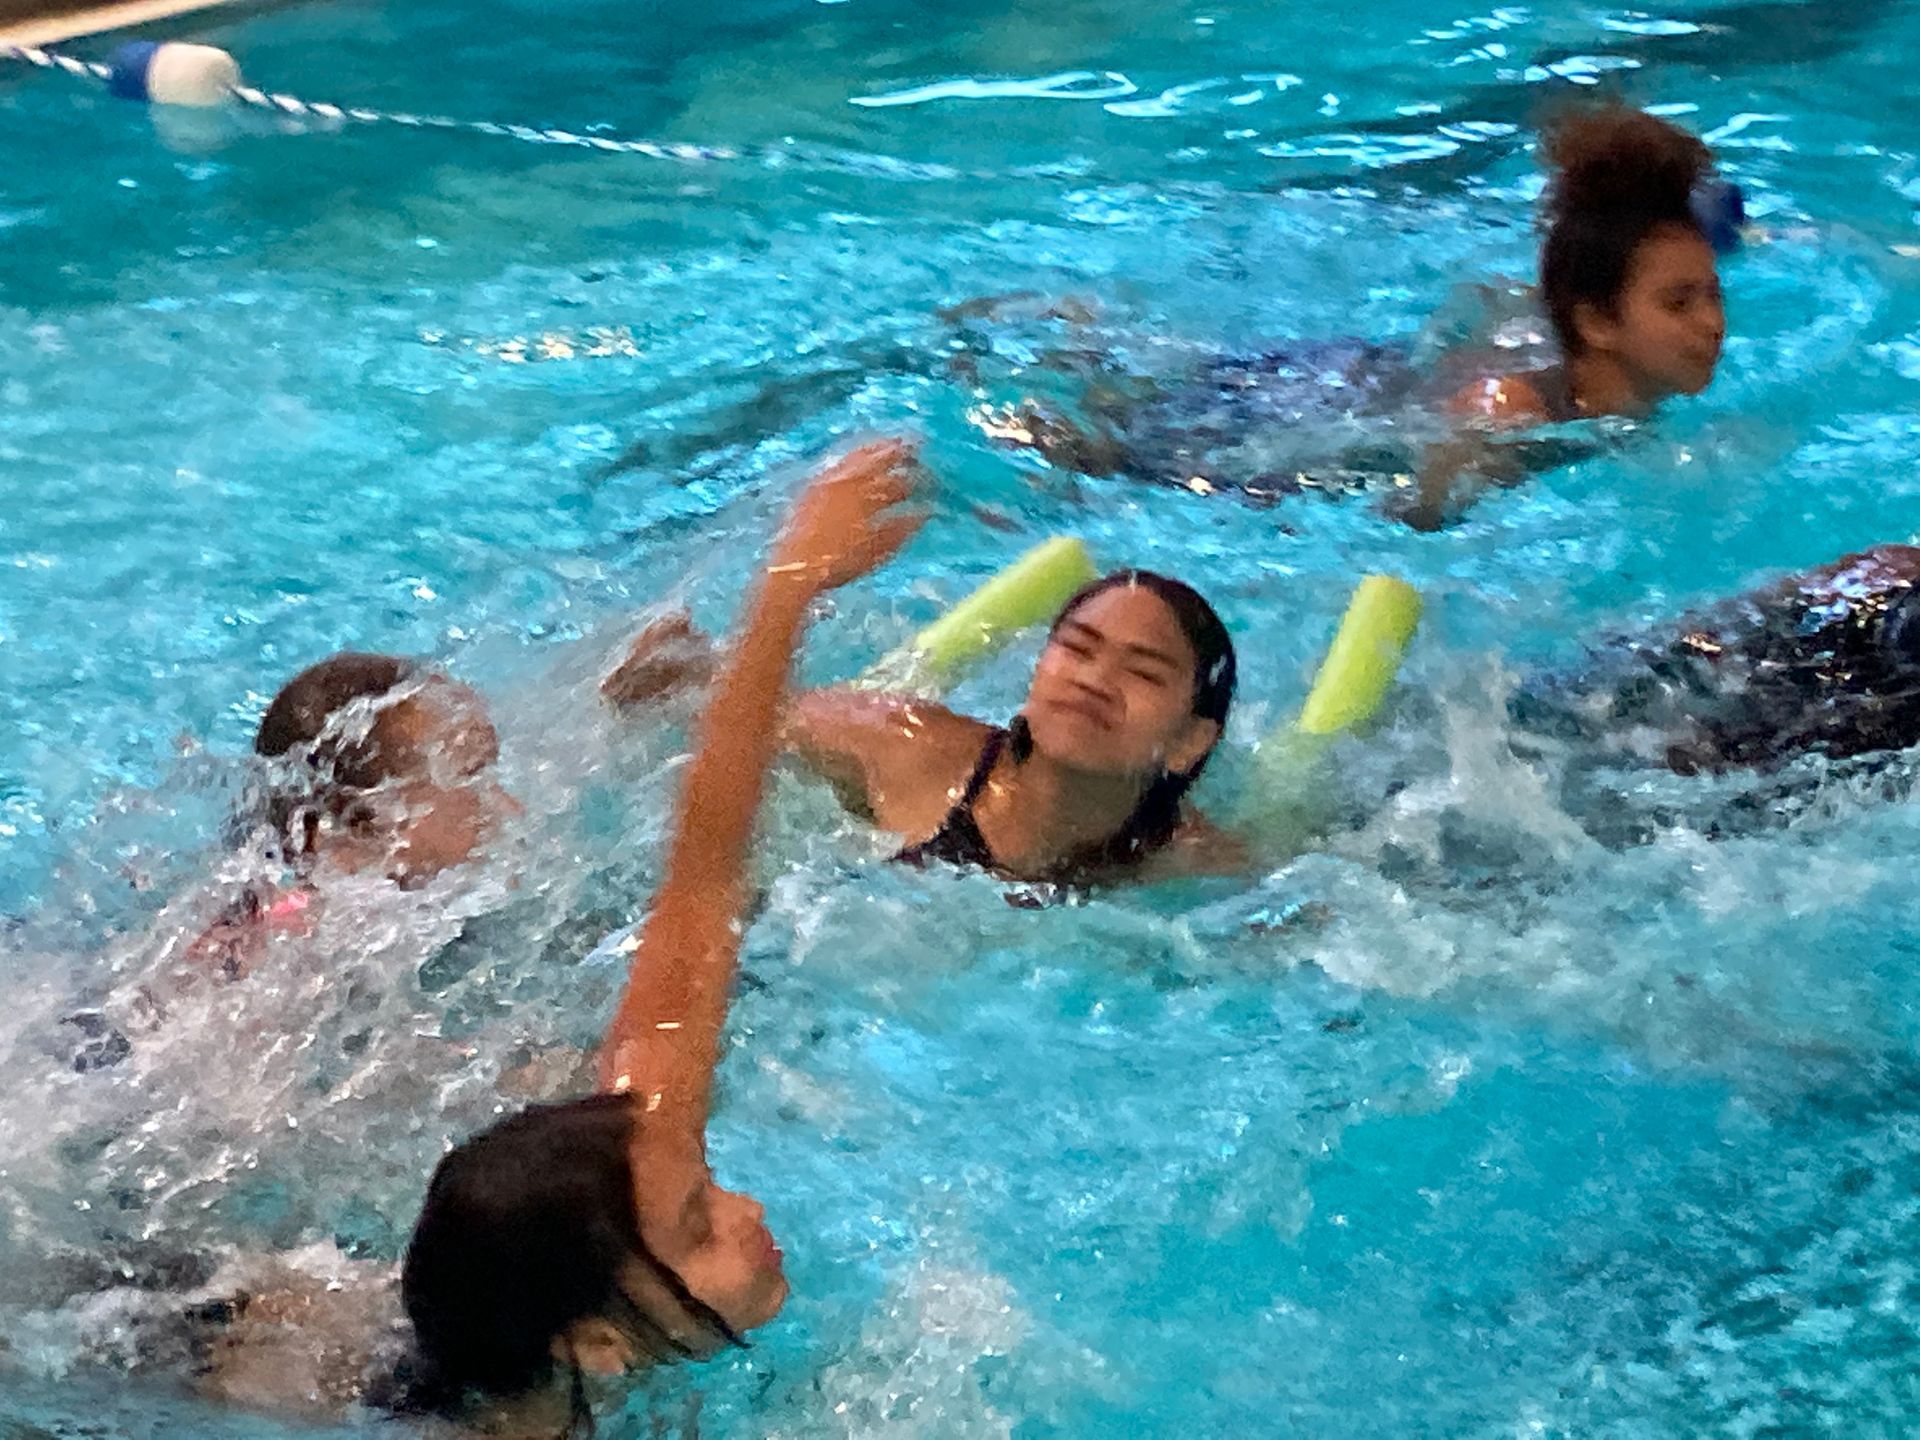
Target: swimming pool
(1465, 1126)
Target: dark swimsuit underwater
(1826, 665)
(1339, 417)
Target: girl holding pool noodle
(1088, 782)
(591, 1236)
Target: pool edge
(98, 19)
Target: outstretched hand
(846, 523)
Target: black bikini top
(958, 841)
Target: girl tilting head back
(591, 1236)
(1129, 699)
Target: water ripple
(1068, 85)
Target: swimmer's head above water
(538, 1258)
(591, 1236)
(1627, 270)
(1631, 283)
(388, 766)
(1136, 682)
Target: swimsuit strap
(982, 771)
(958, 841)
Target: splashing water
(1513, 1108)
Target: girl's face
(441, 803)
(1113, 693)
(1667, 325)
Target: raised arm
(664, 1041)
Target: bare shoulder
(881, 717)
(892, 757)
(880, 711)
(1501, 402)
(920, 763)
(1200, 847)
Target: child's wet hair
(338, 762)
(526, 1230)
(306, 704)
(1619, 175)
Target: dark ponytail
(526, 1229)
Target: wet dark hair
(1216, 671)
(526, 1229)
(1619, 176)
(300, 712)
(298, 720)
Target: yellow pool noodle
(1028, 592)
(1364, 657)
(1351, 685)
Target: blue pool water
(1464, 1125)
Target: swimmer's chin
(1703, 379)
